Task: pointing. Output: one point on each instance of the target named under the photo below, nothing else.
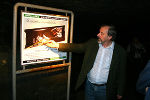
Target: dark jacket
(144, 81)
(116, 78)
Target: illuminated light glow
(39, 29)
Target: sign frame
(15, 30)
(37, 28)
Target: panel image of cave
(38, 36)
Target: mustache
(99, 38)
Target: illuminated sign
(38, 28)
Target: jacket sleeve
(144, 79)
(147, 94)
(74, 47)
(122, 73)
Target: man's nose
(98, 34)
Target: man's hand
(52, 44)
(146, 89)
(119, 97)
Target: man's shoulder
(147, 68)
(120, 48)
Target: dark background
(131, 18)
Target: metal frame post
(15, 41)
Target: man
(103, 66)
(143, 82)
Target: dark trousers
(94, 92)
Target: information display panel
(36, 30)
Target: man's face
(103, 35)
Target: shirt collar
(111, 46)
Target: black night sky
(130, 18)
